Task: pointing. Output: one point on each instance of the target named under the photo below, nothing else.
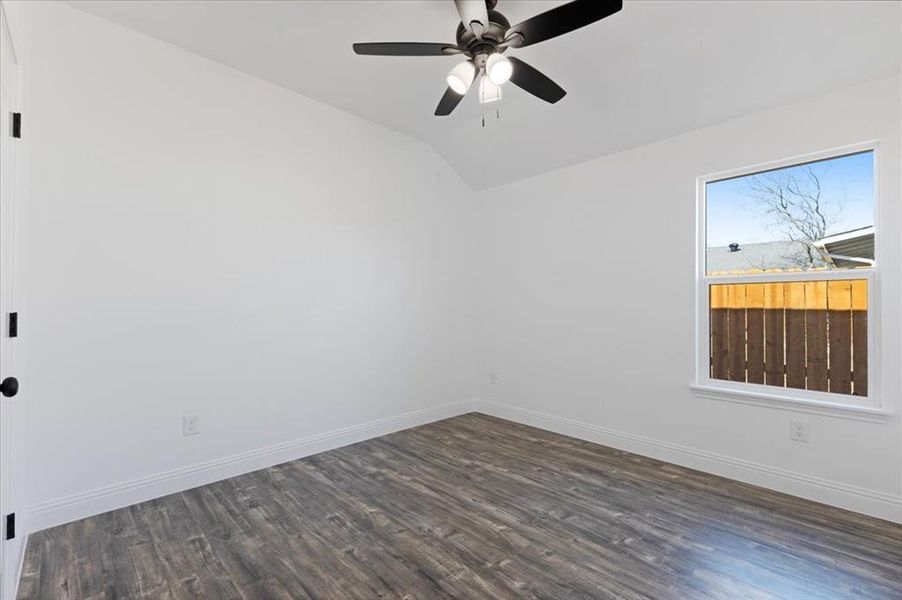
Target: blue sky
(847, 184)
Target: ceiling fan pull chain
(482, 104)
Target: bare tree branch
(793, 203)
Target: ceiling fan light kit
(484, 34)
(489, 91)
(461, 76)
(498, 68)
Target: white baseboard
(861, 500)
(100, 500)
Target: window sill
(818, 407)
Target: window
(787, 270)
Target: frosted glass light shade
(498, 68)
(461, 76)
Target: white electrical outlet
(493, 378)
(799, 431)
(190, 425)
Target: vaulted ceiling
(654, 70)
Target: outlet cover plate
(799, 431)
(190, 425)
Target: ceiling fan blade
(405, 49)
(535, 82)
(560, 20)
(448, 103)
(473, 11)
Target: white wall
(200, 241)
(587, 279)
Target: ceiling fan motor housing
(491, 36)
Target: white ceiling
(654, 70)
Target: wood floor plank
(470, 507)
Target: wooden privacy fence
(806, 334)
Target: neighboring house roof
(760, 256)
(848, 249)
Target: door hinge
(13, 324)
(10, 526)
(17, 125)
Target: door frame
(12, 551)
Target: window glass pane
(812, 216)
(809, 335)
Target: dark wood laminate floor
(470, 507)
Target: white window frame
(866, 408)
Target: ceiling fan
(483, 36)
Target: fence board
(773, 334)
(860, 337)
(794, 301)
(839, 304)
(736, 334)
(816, 335)
(754, 331)
(718, 333)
